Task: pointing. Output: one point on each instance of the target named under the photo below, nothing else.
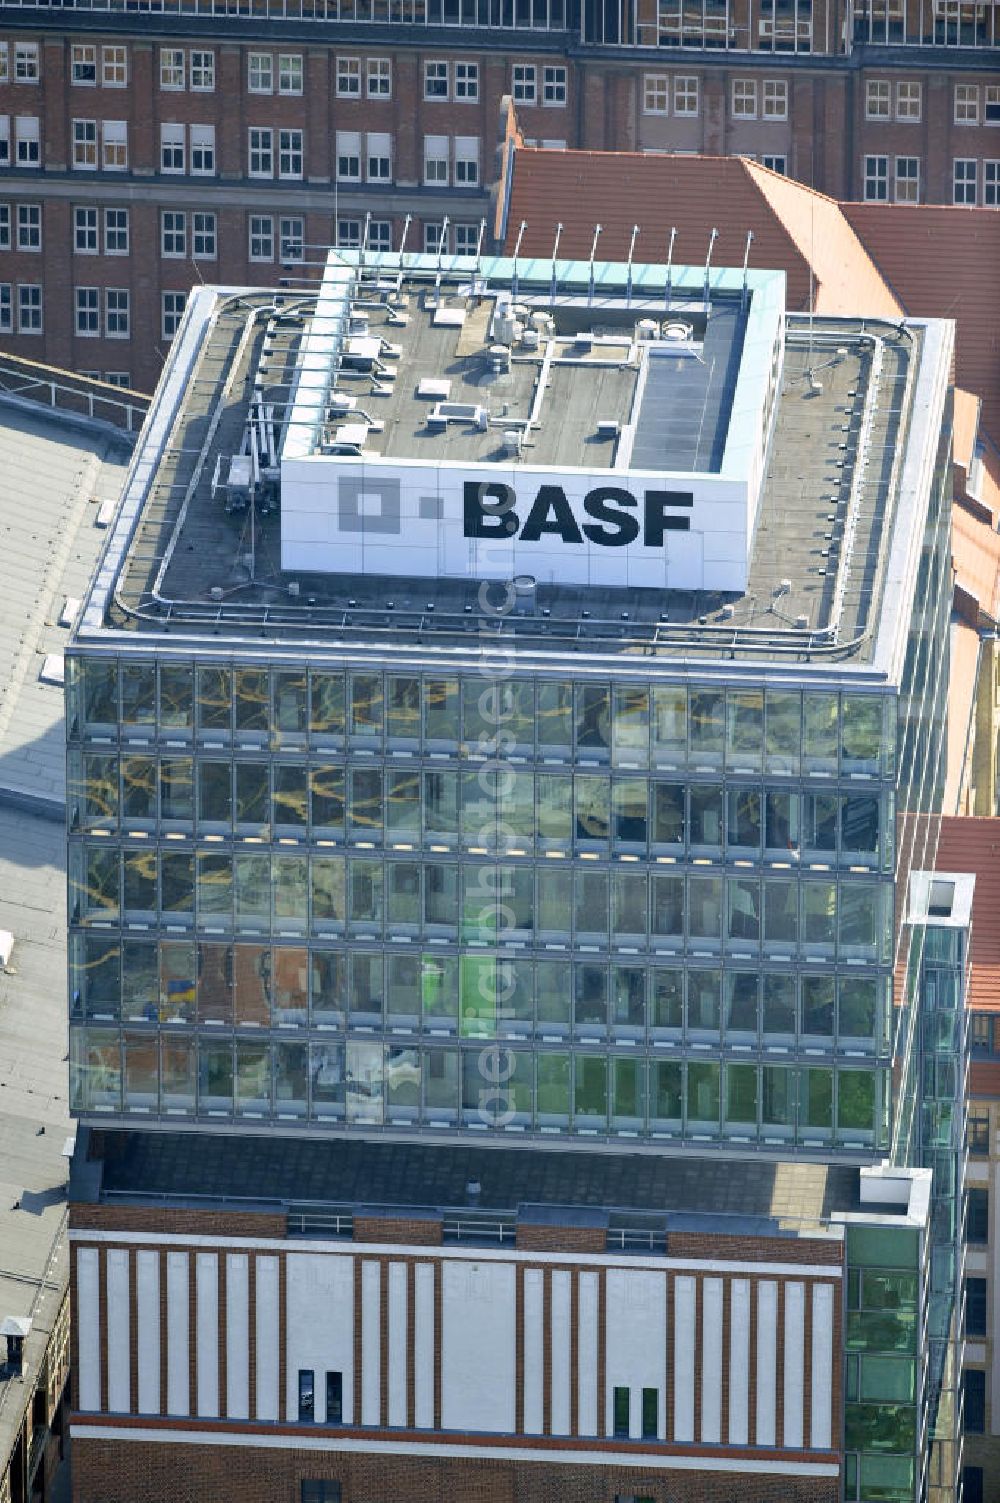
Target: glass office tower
(499, 873)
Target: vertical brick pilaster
(574, 1352)
(671, 1317)
(752, 1365)
(133, 1332)
(358, 1344)
(547, 1351)
(193, 1331)
(223, 1323)
(383, 1339)
(164, 1331)
(519, 1348)
(102, 1287)
(411, 1342)
(779, 1369)
(727, 1294)
(283, 1340)
(807, 1355)
(699, 1337)
(438, 1328)
(252, 1335)
(602, 1348)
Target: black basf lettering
(657, 521)
(551, 512)
(489, 509)
(603, 503)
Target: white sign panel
(638, 529)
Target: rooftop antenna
(708, 260)
(364, 239)
(442, 241)
(631, 248)
(593, 253)
(517, 252)
(670, 260)
(746, 263)
(555, 248)
(479, 245)
(402, 240)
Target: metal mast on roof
(593, 253)
(670, 261)
(631, 248)
(479, 245)
(746, 263)
(708, 260)
(402, 247)
(517, 252)
(555, 249)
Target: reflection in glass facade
(635, 909)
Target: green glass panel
(881, 1247)
(880, 1427)
(856, 1100)
(477, 1007)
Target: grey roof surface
(55, 475)
(34, 1116)
(363, 1174)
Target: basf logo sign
(352, 516)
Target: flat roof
(833, 559)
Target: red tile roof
(971, 844)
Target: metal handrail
(36, 382)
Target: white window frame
(875, 174)
(291, 237)
(121, 379)
(966, 105)
(204, 235)
(380, 235)
(743, 99)
(260, 237)
(435, 80)
(465, 238)
(687, 95)
(87, 312)
(878, 99)
(555, 86)
(291, 152)
(656, 94)
(202, 150)
(6, 308)
(909, 100)
(29, 227)
(965, 180)
(991, 104)
(5, 70)
(85, 145)
(437, 238)
(991, 183)
(291, 73)
(173, 234)
(173, 147)
(172, 69)
(26, 66)
(348, 77)
(524, 83)
(202, 70)
(4, 140)
(775, 162)
(172, 305)
(907, 185)
(114, 145)
(117, 234)
(774, 99)
(466, 82)
(260, 151)
(260, 72)
(30, 308)
(5, 241)
(348, 161)
(83, 65)
(27, 130)
(378, 77)
(117, 313)
(466, 164)
(348, 233)
(437, 161)
(378, 157)
(114, 67)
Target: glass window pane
(703, 1096)
(328, 1082)
(251, 699)
(326, 706)
(291, 710)
(593, 721)
(669, 717)
(555, 716)
(215, 698)
(631, 726)
(741, 1094)
(176, 696)
(707, 727)
(666, 1094)
(590, 1096)
(441, 710)
(782, 731)
(745, 729)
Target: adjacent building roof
(57, 472)
(972, 844)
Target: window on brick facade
(26, 69)
(171, 68)
(966, 104)
(524, 80)
(116, 232)
(114, 67)
(435, 80)
(334, 1398)
(28, 140)
(261, 233)
(467, 82)
(686, 94)
(777, 163)
(114, 145)
(466, 161)
(349, 77)
(964, 175)
(878, 99)
(977, 1216)
(4, 140)
(203, 71)
(348, 156)
(380, 234)
(29, 227)
(379, 157)
(319, 1490)
(975, 1307)
(436, 161)
(435, 238)
(977, 1130)
(29, 308)
(650, 1413)
(85, 145)
(907, 180)
(877, 179)
(909, 101)
(260, 73)
(172, 307)
(975, 1400)
(775, 99)
(553, 85)
(173, 233)
(991, 104)
(655, 94)
(973, 1484)
(203, 236)
(117, 312)
(118, 378)
(744, 99)
(4, 227)
(83, 63)
(292, 235)
(290, 151)
(379, 78)
(620, 1412)
(261, 151)
(5, 65)
(203, 150)
(87, 306)
(991, 184)
(172, 150)
(466, 239)
(307, 1395)
(348, 234)
(289, 72)
(6, 308)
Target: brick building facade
(141, 153)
